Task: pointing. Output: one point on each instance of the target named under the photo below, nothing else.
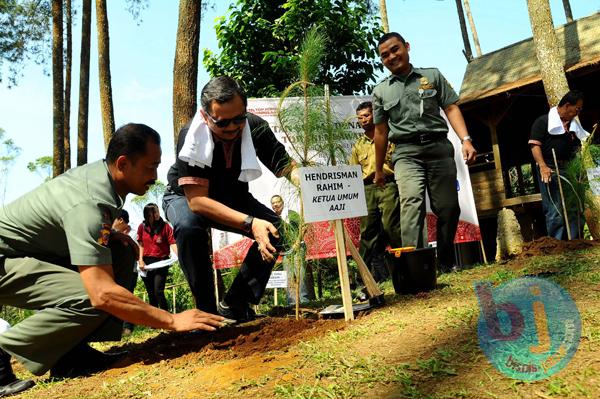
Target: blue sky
(142, 58)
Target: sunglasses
(238, 120)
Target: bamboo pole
(562, 197)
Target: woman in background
(156, 240)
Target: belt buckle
(425, 138)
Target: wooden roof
(517, 65)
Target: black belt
(388, 179)
(423, 138)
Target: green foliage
(154, 195)
(306, 118)
(14, 315)
(135, 8)
(260, 43)
(9, 151)
(576, 187)
(24, 34)
(305, 114)
(42, 166)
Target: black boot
(83, 360)
(9, 384)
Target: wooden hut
(500, 97)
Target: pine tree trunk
(67, 104)
(84, 83)
(57, 89)
(546, 48)
(106, 103)
(463, 30)
(185, 67)
(568, 13)
(384, 16)
(473, 30)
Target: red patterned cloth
(466, 232)
(319, 238)
(232, 255)
(320, 241)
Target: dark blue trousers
(192, 234)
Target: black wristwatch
(247, 224)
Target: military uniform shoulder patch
(104, 235)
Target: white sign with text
(332, 192)
(278, 279)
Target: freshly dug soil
(265, 335)
(552, 246)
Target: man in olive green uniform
(406, 110)
(59, 256)
(381, 226)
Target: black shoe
(9, 384)
(84, 360)
(236, 315)
(15, 387)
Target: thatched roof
(517, 65)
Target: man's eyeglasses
(238, 120)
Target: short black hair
(123, 214)
(277, 196)
(571, 97)
(388, 36)
(365, 105)
(221, 89)
(130, 140)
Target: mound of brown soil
(269, 334)
(552, 246)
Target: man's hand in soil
(195, 319)
(261, 230)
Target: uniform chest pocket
(429, 104)
(393, 109)
(391, 104)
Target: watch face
(247, 225)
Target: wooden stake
(363, 269)
(483, 252)
(275, 297)
(562, 197)
(340, 247)
(174, 297)
(216, 283)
